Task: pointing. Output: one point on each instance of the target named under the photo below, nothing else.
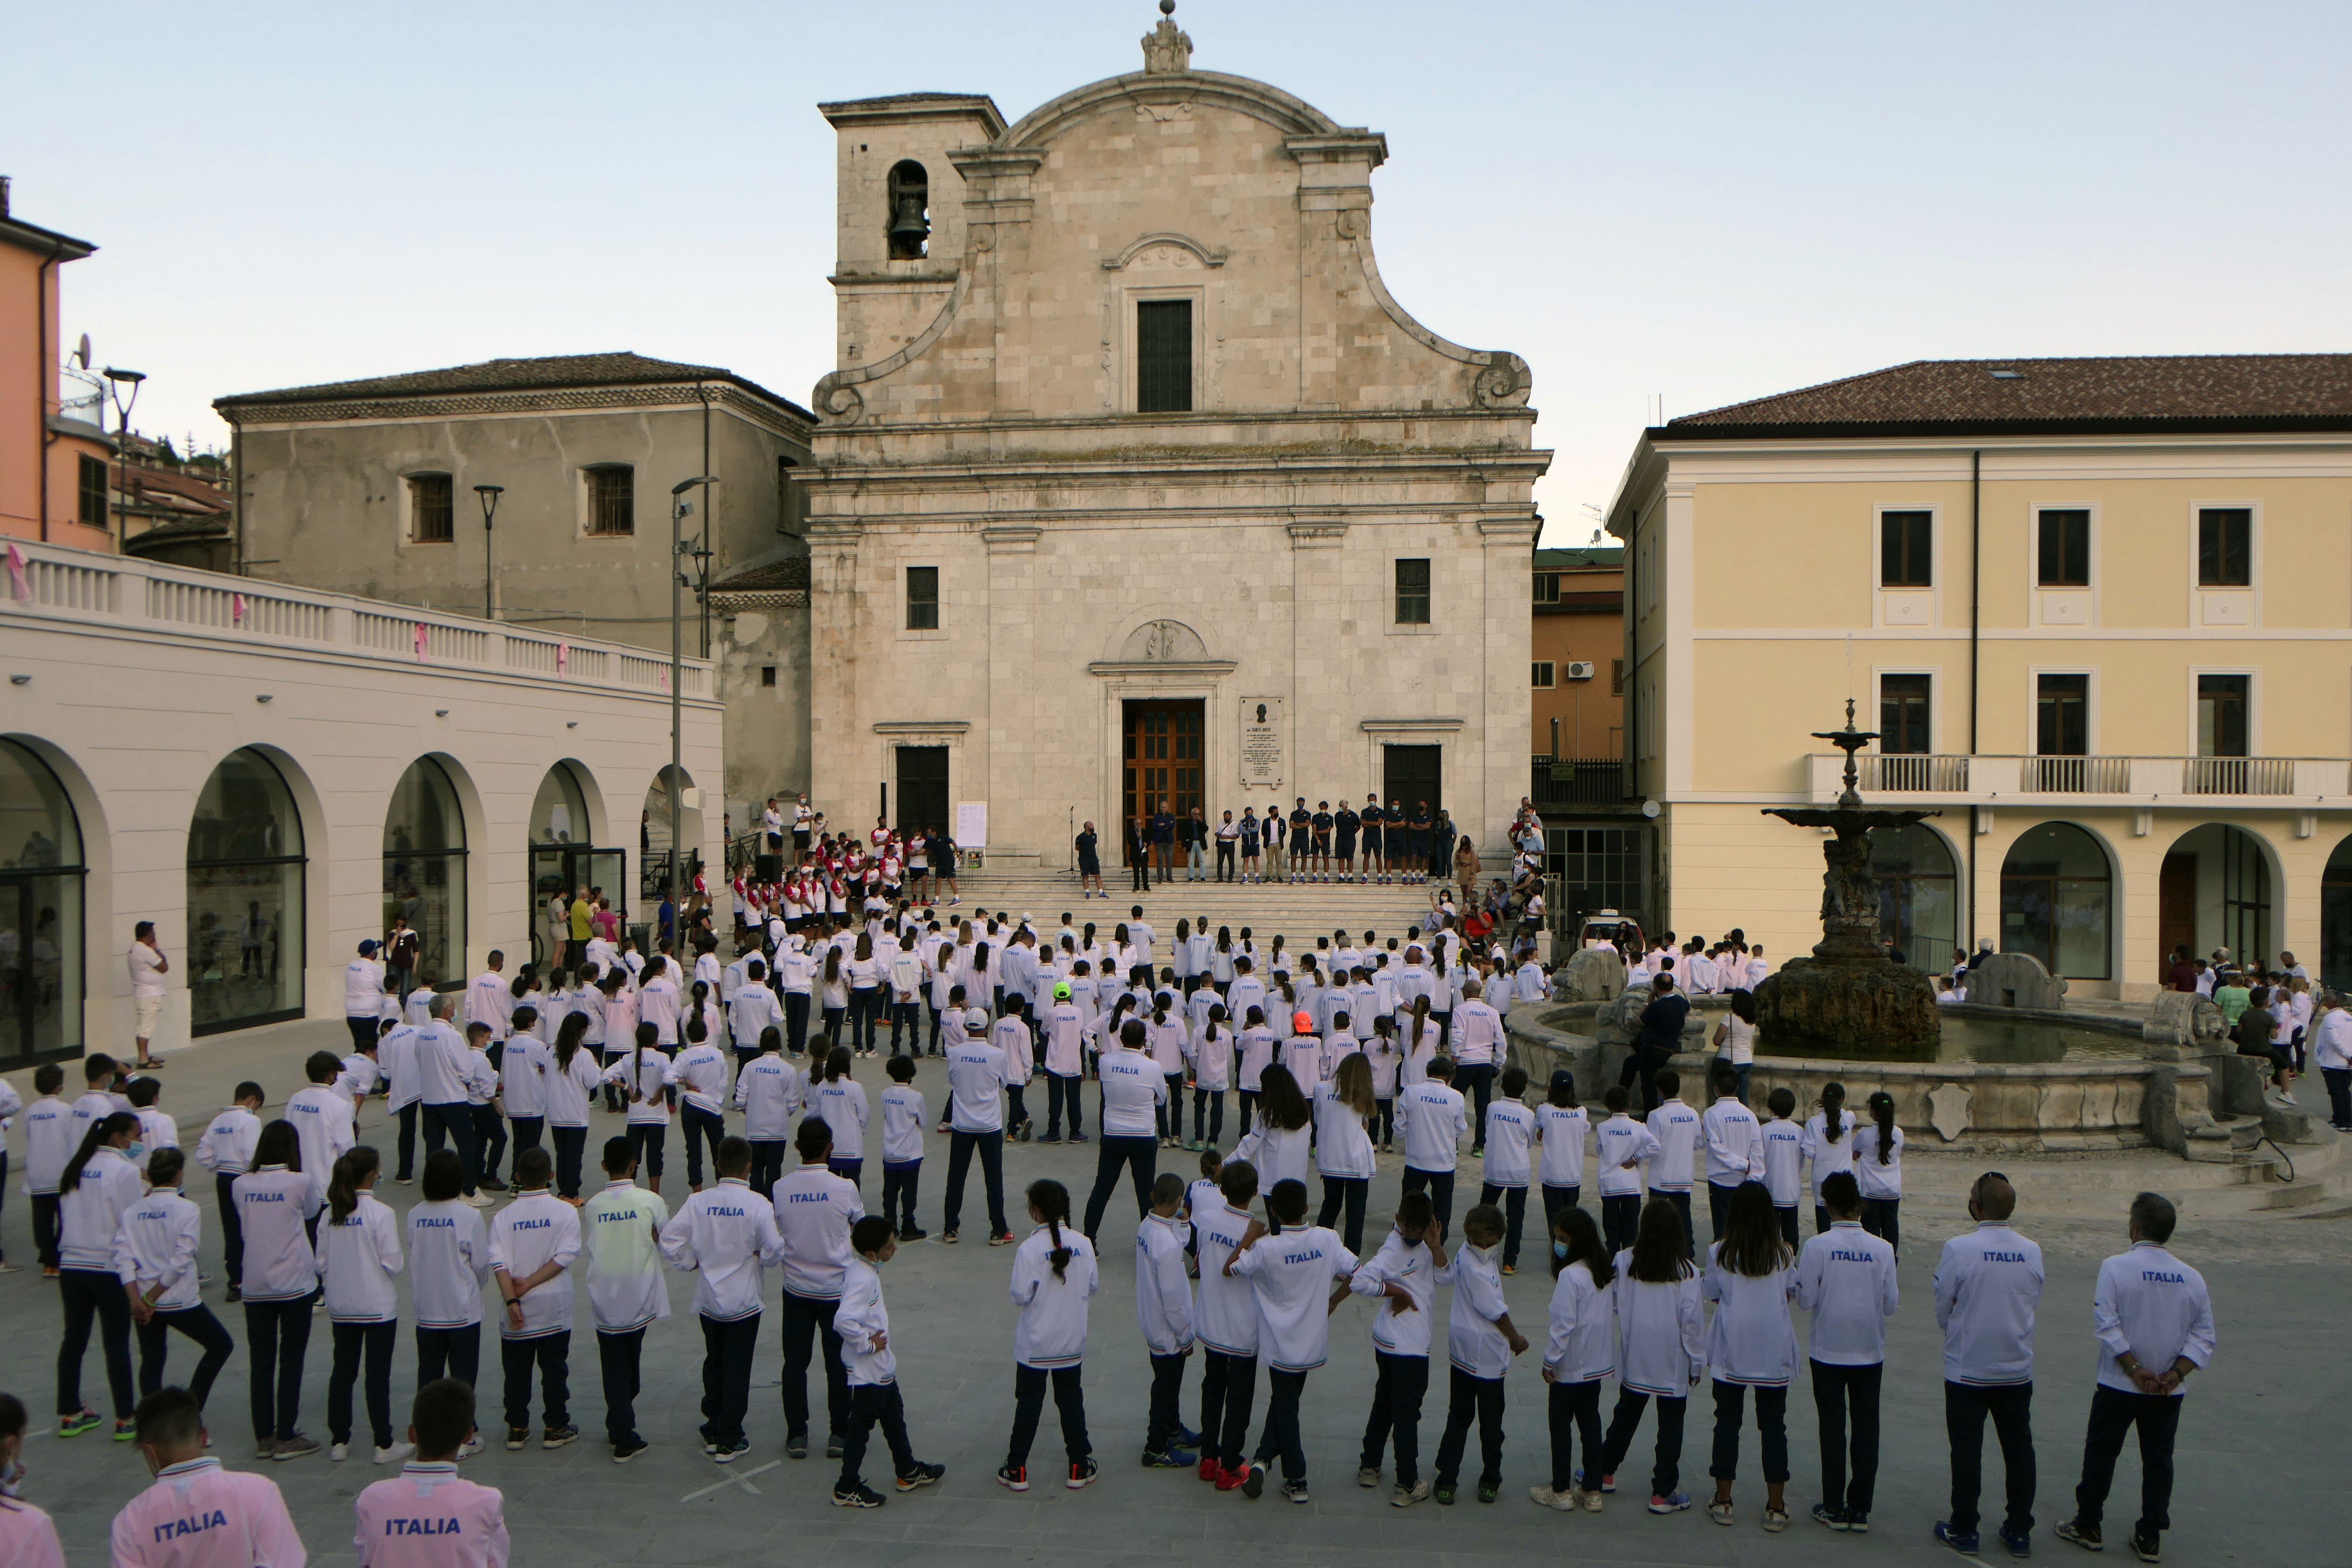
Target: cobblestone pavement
(2260, 1439)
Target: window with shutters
(1905, 549)
(1413, 591)
(2065, 548)
(91, 497)
(922, 598)
(2225, 547)
(431, 508)
(1163, 356)
(612, 499)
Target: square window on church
(1542, 678)
(922, 598)
(612, 499)
(1413, 592)
(767, 675)
(1163, 356)
(431, 508)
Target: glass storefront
(41, 873)
(424, 871)
(245, 910)
(1918, 901)
(2057, 901)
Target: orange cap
(1302, 1024)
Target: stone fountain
(1849, 1000)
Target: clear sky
(1695, 202)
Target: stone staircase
(2255, 1183)
(1297, 912)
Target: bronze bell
(908, 230)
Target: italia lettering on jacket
(737, 1214)
(2004, 1258)
(812, 1197)
(534, 1224)
(263, 1197)
(193, 1524)
(421, 1527)
(1302, 1257)
(2160, 1277)
(1839, 1255)
(426, 1222)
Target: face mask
(1559, 1249)
(133, 1152)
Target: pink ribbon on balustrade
(17, 587)
(665, 677)
(563, 656)
(236, 608)
(420, 642)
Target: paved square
(2260, 1441)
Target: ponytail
(356, 1165)
(1882, 1110)
(1834, 1110)
(568, 1035)
(832, 964)
(1419, 1021)
(106, 1127)
(646, 1035)
(1051, 1201)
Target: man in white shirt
(148, 967)
(977, 1071)
(1845, 1279)
(442, 1074)
(620, 1233)
(1988, 1288)
(813, 1211)
(488, 998)
(1139, 933)
(363, 995)
(2154, 1319)
(726, 1238)
(1432, 1116)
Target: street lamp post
(679, 509)
(116, 380)
(489, 495)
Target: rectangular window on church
(1413, 592)
(612, 498)
(1163, 356)
(922, 598)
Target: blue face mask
(133, 1152)
(1559, 1249)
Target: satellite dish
(81, 351)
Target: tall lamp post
(489, 495)
(680, 508)
(116, 380)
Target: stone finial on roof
(1167, 48)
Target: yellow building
(2099, 611)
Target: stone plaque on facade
(1261, 751)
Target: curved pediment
(1164, 642)
(1165, 253)
(1144, 92)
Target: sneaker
(1674, 1504)
(7, 1267)
(1445, 1496)
(1079, 1138)
(338, 1452)
(1824, 1514)
(1051, 1138)
(911, 1233)
(833, 1445)
(1082, 1474)
(923, 1474)
(236, 1293)
(1406, 1496)
(556, 1437)
(1295, 1490)
(1963, 1542)
(393, 1453)
(624, 1452)
(477, 1200)
(518, 1438)
(727, 1453)
(950, 1237)
(472, 1446)
(1013, 1477)
(2087, 1536)
(1544, 1497)
(492, 1184)
(1185, 1437)
(2148, 1546)
(859, 1496)
(2020, 1545)
(1510, 1268)
(1002, 1238)
(1607, 1483)
(1591, 1498)
(1857, 1524)
(1488, 1491)
(1253, 1480)
(796, 1445)
(298, 1446)
(1367, 1476)
(1229, 1481)
(75, 1426)
(1776, 1519)
(1210, 1468)
(1169, 1458)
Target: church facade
(1134, 482)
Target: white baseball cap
(975, 1021)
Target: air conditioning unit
(1579, 669)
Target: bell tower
(900, 222)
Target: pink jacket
(27, 1539)
(198, 1515)
(430, 1517)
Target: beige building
(2099, 612)
(374, 488)
(1134, 481)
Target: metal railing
(2076, 775)
(1989, 778)
(1581, 781)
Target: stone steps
(1297, 912)
(2091, 1188)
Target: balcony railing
(2117, 779)
(1582, 781)
(79, 587)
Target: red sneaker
(1229, 1481)
(1209, 1466)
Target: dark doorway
(1162, 752)
(1413, 775)
(2175, 909)
(922, 788)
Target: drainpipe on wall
(1976, 582)
(44, 377)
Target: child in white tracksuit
(1054, 1276)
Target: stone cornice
(1014, 539)
(1371, 726)
(922, 726)
(1196, 668)
(537, 400)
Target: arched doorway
(565, 859)
(2057, 901)
(655, 833)
(1918, 901)
(2336, 920)
(2214, 890)
(41, 876)
(424, 871)
(246, 870)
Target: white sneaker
(392, 1455)
(477, 1200)
(339, 1452)
(473, 1446)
